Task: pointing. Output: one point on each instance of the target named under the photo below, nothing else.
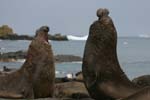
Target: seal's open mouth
(46, 39)
(42, 34)
(43, 38)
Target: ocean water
(133, 55)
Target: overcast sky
(131, 17)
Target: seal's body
(17, 84)
(142, 81)
(44, 72)
(103, 76)
(35, 79)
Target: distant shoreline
(21, 55)
(59, 37)
(56, 37)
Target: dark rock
(6, 32)
(26, 37)
(67, 58)
(13, 56)
(63, 79)
(7, 70)
(58, 37)
(16, 37)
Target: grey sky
(131, 17)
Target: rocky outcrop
(6, 33)
(57, 37)
(16, 37)
(13, 56)
(67, 58)
(6, 30)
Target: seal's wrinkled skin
(102, 74)
(35, 79)
(142, 81)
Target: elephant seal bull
(35, 79)
(41, 55)
(103, 76)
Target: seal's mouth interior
(45, 37)
(42, 34)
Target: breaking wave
(144, 36)
(83, 38)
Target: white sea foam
(144, 36)
(21, 60)
(71, 37)
(59, 72)
(49, 41)
(73, 62)
(76, 62)
(69, 75)
(125, 43)
(2, 48)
